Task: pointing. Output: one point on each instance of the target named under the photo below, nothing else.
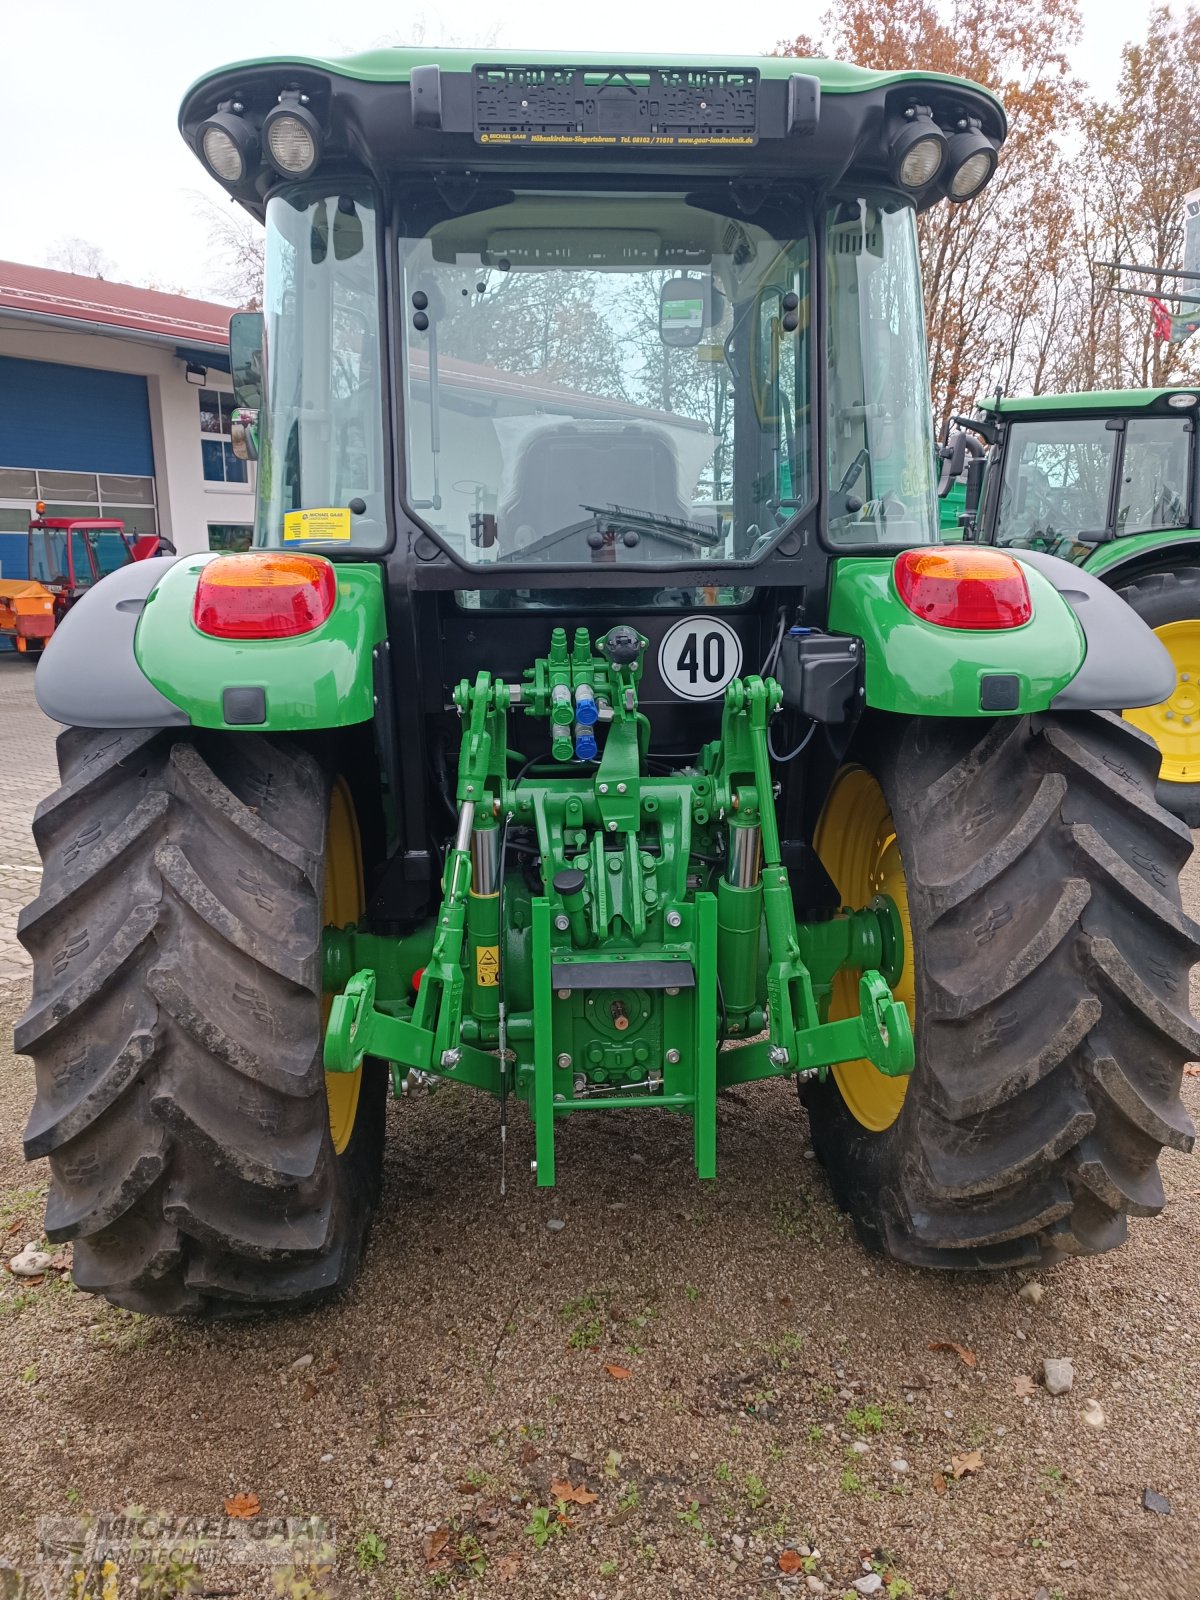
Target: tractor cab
(1078, 471)
(70, 554)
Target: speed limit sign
(699, 657)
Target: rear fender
(321, 679)
(130, 655)
(1133, 553)
(1082, 649)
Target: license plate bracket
(525, 105)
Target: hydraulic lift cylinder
(483, 921)
(739, 918)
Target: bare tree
(70, 253)
(237, 246)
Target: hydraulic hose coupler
(562, 721)
(586, 710)
(568, 885)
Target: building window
(216, 451)
(230, 535)
(85, 494)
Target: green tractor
(1108, 481)
(597, 721)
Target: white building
(114, 401)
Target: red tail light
(264, 595)
(961, 588)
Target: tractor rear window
(608, 379)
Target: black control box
(821, 674)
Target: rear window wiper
(692, 536)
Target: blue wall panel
(73, 419)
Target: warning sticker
(326, 522)
(487, 965)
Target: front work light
(970, 161)
(916, 154)
(963, 588)
(264, 595)
(291, 136)
(228, 145)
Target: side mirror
(953, 456)
(247, 366)
(974, 485)
(683, 312)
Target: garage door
(74, 419)
(77, 438)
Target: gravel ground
(775, 1377)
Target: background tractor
(596, 721)
(67, 556)
(1108, 481)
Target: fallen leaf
(506, 1567)
(576, 1493)
(790, 1562)
(435, 1543)
(242, 1507)
(939, 1483)
(618, 1372)
(309, 1391)
(972, 1461)
(61, 1262)
(1023, 1386)
(967, 1357)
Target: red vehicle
(67, 556)
(70, 554)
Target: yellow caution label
(487, 965)
(325, 522)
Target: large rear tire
(175, 1026)
(1170, 603)
(1051, 960)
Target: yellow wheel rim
(856, 841)
(1174, 724)
(344, 901)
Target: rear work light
(959, 588)
(264, 595)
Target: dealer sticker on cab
(699, 657)
(325, 522)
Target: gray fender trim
(88, 676)
(1125, 664)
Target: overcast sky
(90, 93)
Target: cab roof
(394, 64)
(1041, 405)
(403, 115)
